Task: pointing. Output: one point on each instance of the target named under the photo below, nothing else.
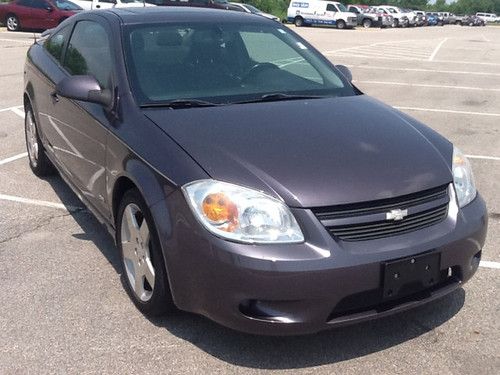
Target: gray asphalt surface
(63, 308)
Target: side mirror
(49, 8)
(345, 71)
(84, 88)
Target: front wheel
(340, 25)
(395, 23)
(367, 23)
(39, 162)
(298, 21)
(144, 274)
(12, 23)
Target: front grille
(367, 221)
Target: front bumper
(308, 287)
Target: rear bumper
(320, 284)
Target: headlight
(463, 178)
(241, 214)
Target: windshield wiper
(181, 103)
(280, 96)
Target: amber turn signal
(218, 208)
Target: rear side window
(55, 44)
(89, 53)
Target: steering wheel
(257, 69)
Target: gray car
(242, 174)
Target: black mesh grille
(367, 221)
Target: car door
(23, 10)
(40, 14)
(82, 126)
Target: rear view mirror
(85, 88)
(345, 71)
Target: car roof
(149, 15)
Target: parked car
(247, 8)
(319, 12)
(432, 19)
(399, 19)
(397, 13)
(421, 18)
(271, 197)
(458, 19)
(473, 20)
(384, 18)
(105, 4)
(487, 17)
(365, 18)
(439, 20)
(36, 14)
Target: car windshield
(253, 9)
(225, 63)
(341, 7)
(66, 5)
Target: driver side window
(331, 8)
(89, 53)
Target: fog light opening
(269, 311)
(474, 262)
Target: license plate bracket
(410, 275)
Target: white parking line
(436, 50)
(413, 59)
(13, 158)
(447, 111)
(427, 85)
(36, 202)
(483, 157)
(23, 41)
(488, 264)
(373, 67)
(18, 111)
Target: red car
(36, 14)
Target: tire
(367, 23)
(395, 23)
(12, 23)
(144, 275)
(340, 24)
(38, 161)
(298, 21)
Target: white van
(487, 17)
(320, 12)
(105, 4)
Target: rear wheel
(367, 23)
(298, 21)
(12, 22)
(395, 23)
(340, 24)
(144, 274)
(39, 162)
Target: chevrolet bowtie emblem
(396, 215)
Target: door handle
(55, 97)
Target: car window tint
(89, 52)
(331, 8)
(55, 44)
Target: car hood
(312, 153)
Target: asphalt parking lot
(63, 309)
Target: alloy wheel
(136, 247)
(32, 139)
